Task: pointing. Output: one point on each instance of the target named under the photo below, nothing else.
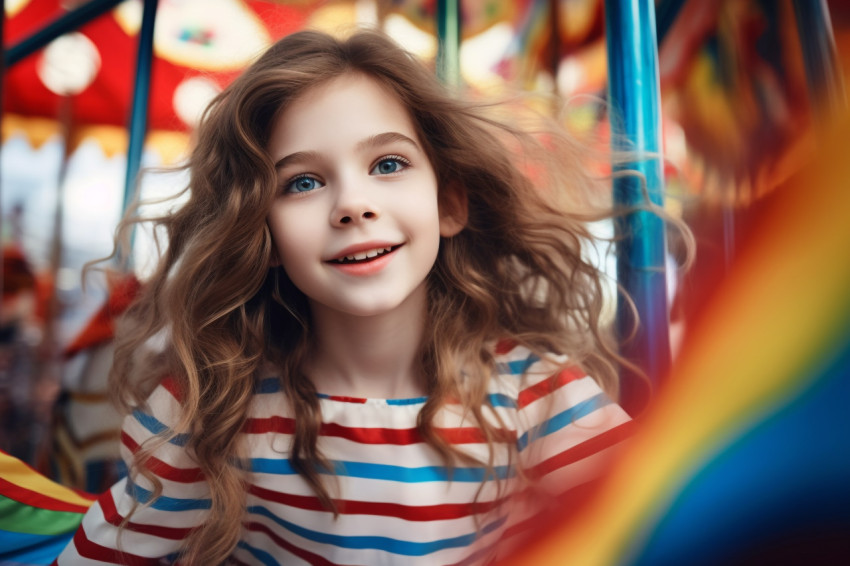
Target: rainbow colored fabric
(744, 455)
(37, 516)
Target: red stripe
(39, 500)
(393, 436)
(440, 512)
(344, 399)
(396, 436)
(162, 469)
(301, 553)
(581, 451)
(523, 527)
(113, 517)
(473, 435)
(170, 384)
(94, 551)
(504, 346)
(100, 327)
(547, 386)
(282, 425)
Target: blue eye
(389, 165)
(302, 184)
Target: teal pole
(68, 22)
(634, 98)
(139, 110)
(448, 41)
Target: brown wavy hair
(515, 272)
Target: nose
(356, 217)
(353, 206)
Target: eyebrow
(378, 140)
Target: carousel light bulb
(69, 64)
(191, 97)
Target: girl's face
(356, 224)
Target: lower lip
(365, 268)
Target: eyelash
(391, 157)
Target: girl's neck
(369, 356)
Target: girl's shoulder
(528, 368)
(535, 380)
(165, 400)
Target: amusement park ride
(634, 31)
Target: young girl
(378, 331)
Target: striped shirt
(397, 502)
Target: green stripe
(18, 517)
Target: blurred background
(739, 108)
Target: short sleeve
(567, 427)
(159, 525)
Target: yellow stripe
(18, 473)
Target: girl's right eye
(302, 184)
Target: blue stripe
(501, 400)
(164, 503)
(31, 549)
(563, 419)
(395, 546)
(260, 555)
(412, 401)
(518, 367)
(387, 472)
(156, 427)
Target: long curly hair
(515, 272)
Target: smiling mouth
(365, 256)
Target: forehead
(342, 111)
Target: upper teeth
(367, 254)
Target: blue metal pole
(139, 111)
(448, 41)
(634, 97)
(69, 22)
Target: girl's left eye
(389, 165)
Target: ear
(454, 210)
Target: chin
(371, 310)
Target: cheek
(425, 220)
(289, 232)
